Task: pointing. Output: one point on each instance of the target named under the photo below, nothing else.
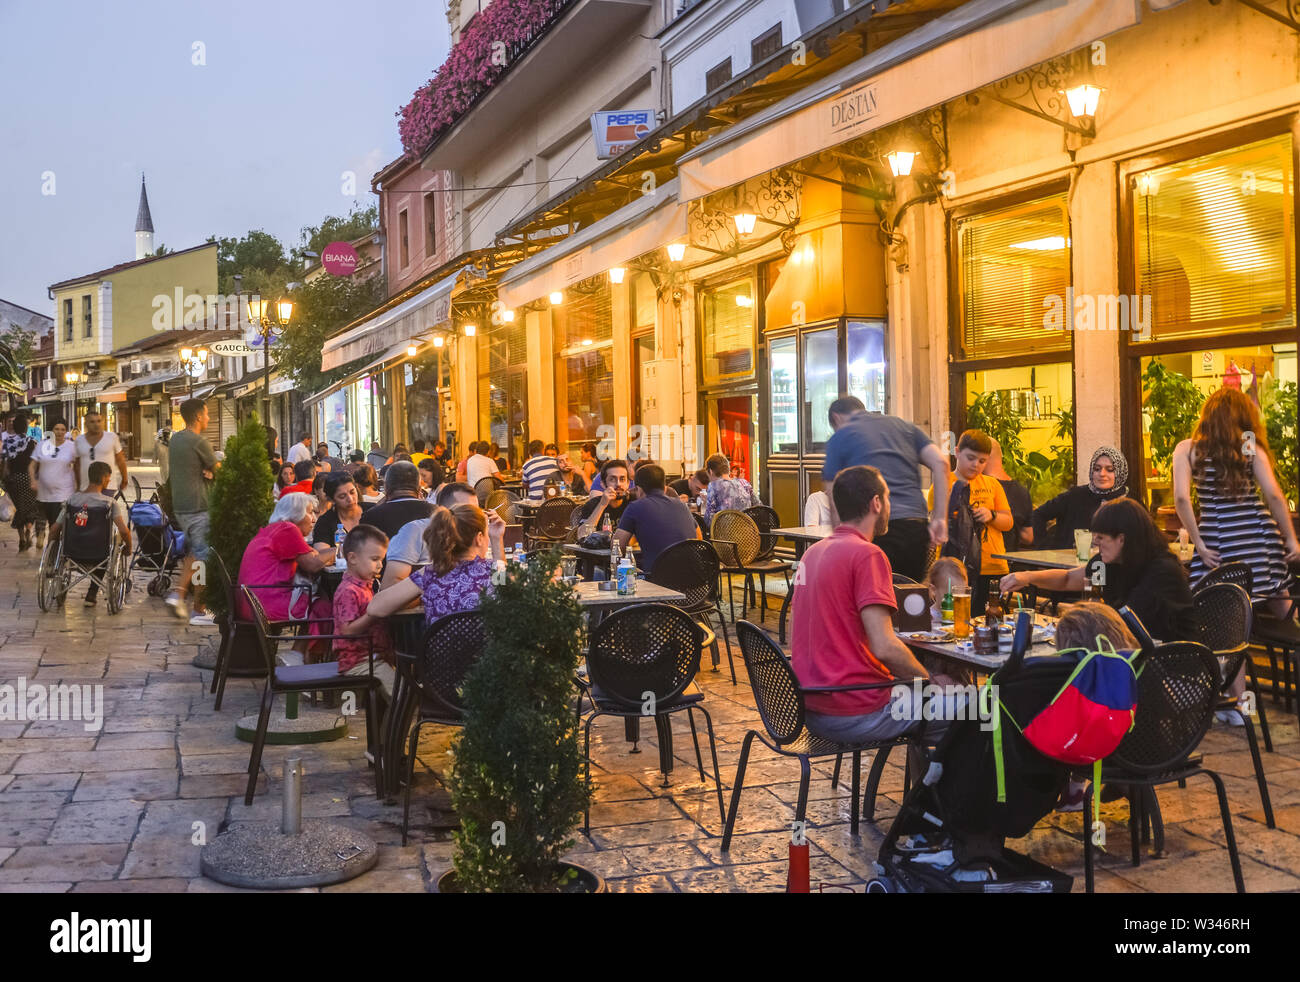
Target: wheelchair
(88, 547)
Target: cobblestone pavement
(116, 810)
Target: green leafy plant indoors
(1172, 402)
(239, 504)
(1279, 405)
(992, 412)
(517, 781)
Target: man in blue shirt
(897, 449)
(658, 520)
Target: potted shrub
(517, 782)
(1172, 403)
(239, 504)
(1279, 405)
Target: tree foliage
(517, 782)
(16, 349)
(239, 504)
(256, 251)
(321, 307)
(339, 228)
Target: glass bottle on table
(993, 609)
(946, 608)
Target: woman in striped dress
(1244, 517)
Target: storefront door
(732, 431)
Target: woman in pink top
(276, 552)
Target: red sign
(339, 259)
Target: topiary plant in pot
(517, 781)
(239, 504)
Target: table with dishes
(944, 642)
(803, 536)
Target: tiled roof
(100, 274)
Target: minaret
(143, 226)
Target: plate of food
(939, 637)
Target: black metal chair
(766, 518)
(452, 644)
(320, 677)
(1280, 638)
(505, 504)
(691, 567)
(780, 701)
(485, 487)
(551, 524)
(1178, 689)
(1238, 573)
(739, 543)
(642, 661)
(1225, 615)
(235, 633)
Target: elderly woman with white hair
(278, 551)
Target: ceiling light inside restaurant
(1147, 184)
(900, 162)
(1083, 100)
(557, 298)
(586, 342)
(616, 274)
(676, 251)
(745, 222)
(743, 301)
(1051, 243)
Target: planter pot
(587, 881)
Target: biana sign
(339, 259)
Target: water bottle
(340, 533)
(632, 573)
(625, 577)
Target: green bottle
(945, 607)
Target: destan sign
(616, 131)
(854, 107)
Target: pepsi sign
(615, 131)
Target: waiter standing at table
(897, 449)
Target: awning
(118, 391)
(396, 353)
(418, 315)
(964, 50)
(650, 222)
(85, 390)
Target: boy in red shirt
(364, 550)
(842, 633)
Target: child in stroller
(949, 835)
(159, 545)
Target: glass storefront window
(584, 371)
(727, 320)
(821, 384)
(1214, 242)
(866, 363)
(336, 424)
(1030, 412)
(785, 396)
(1175, 386)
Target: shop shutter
(1214, 241)
(1012, 264)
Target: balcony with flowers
(498, 60)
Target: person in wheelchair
(99, 506)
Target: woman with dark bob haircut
(1139, 572)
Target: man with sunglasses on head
(99, 444)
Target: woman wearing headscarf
(16, 451)
(1073, 509)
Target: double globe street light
(193, 362)
(270, 319)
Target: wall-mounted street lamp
(676, 251)
(900, 162)
(616, 274)
(745, 221)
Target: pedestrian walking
(98, 443)
(16, 456)
(56, 474)
(193, 466)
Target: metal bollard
(291, 814)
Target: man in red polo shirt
(842, 633)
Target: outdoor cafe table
(589, 558)
(1067, 558)
(965, 654)
(803, 536)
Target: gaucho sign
(339, 259)
(854, 108)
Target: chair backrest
(452, 644)
(225, 582)
(776, 689)
(1224, 613)
(766, 518)
(484, 487)
(905, 580)
(644, 648)
(553, 516)
(1238, 573)
(263, 630)
(689, 567)
(92, 541)
(504, 503)
(738, 528)
(1178, 688)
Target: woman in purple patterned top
(457, 539)
(726, 492)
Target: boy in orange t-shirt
(988, 499)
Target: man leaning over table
(841, 631)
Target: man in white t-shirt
(480, 465)
(300, 450)
(98, 444)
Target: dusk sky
(292, 95)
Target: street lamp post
(73, 379)
(193, 362)
(270, 319)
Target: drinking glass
(1082, 544)
(961, 613)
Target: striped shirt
(537, 470)
(1240, 529)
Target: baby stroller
(88, 546)
(159, 545)
(949, 833)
